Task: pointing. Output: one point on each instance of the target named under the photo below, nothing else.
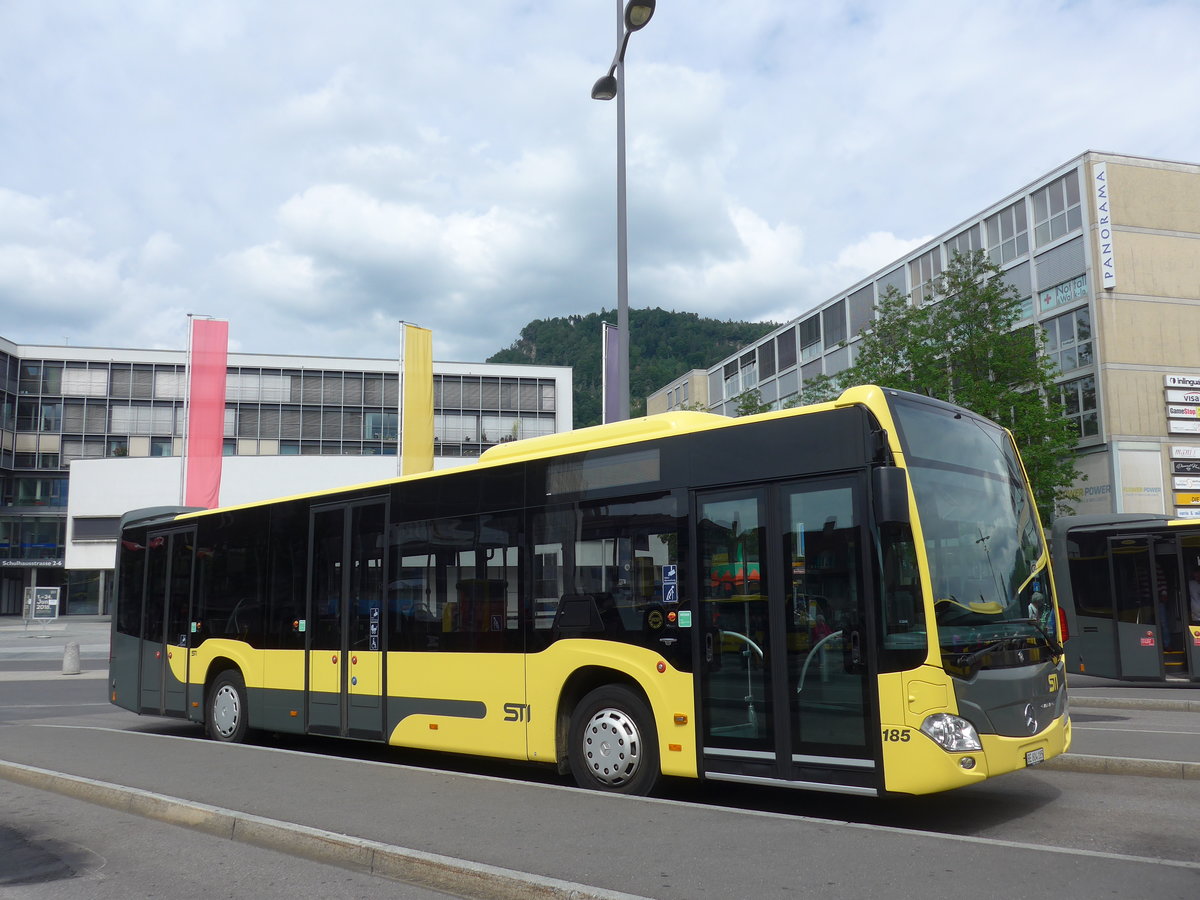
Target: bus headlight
(953, 734)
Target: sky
(317, 172)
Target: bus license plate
(1033, 757)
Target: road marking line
(1133, 730)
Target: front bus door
(346, 628)
(164, 664)
(784, 674)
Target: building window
(785, 349)
(1079, 404)
(85, 382)
(922, 273)
(1056, 209)
(749, 364)
(31, 378)
(40, 492)
(833, 323)
(1007, 234)
(51, 418)
(861, 308)
(766, 359)
(1069, 339)
(731, 380)
(95, 528)
(381, 426)
(1063, 294)
(810, 339)
(965, 244)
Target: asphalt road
(506, 830)
(54, 847)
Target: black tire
(612, 742)
(226, 714)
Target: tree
(662, 344)
(958, 344)
(750, 403)
(817, 389)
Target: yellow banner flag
(416, 400)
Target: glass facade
(1056, 294)
(56, 411)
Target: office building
(1104, 252)
(90, 433)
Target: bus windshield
(987, 558)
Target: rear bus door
(345, 658)
(164, 663)
(1136, 586)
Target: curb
(1134, 703)
(430, 870)
(1119, 765)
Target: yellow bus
(556, 602)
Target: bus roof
(632, 431)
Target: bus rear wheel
(613, 745)
(226, 719)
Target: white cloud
(276, 275)
(316, 176)
(158, 252)
(29, 221)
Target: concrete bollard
(71, 659)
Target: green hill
(664, 346)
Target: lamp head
(605, 88)
(638, 13)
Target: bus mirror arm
(889, 490)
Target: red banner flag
(206, 412)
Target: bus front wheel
(226, 719)
(613, 743)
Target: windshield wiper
(1055, 647)
(970, 661)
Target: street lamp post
(633, 17)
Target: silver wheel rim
(612, 747)
(226, 710)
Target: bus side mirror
(889, 485)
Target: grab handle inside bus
(889, 485)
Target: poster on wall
(1093, 493)
(1141, 479)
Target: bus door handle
(708, 646)
(854, 658)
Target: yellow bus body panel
(491, 679)
(245, 657)
(283, 670)
(670, 692)
(914, 764)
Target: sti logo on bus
(517, 712)
(1053, 679)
